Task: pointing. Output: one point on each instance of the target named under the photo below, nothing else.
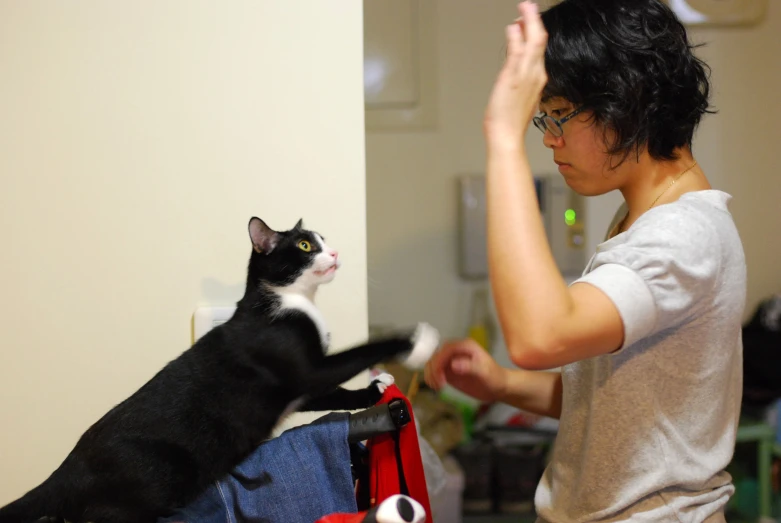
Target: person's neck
(648, 179)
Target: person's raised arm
(545, 323)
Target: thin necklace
(620, 224)
(671, 184)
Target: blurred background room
(137, 138)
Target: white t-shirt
(647, 431)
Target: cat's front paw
(425, 342)
(383, 381)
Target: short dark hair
(632, 65)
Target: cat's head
(298, 259)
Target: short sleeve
(660, 273)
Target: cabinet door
(399, 64)
(719, 12)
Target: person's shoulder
(693, 220)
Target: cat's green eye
(304, 246)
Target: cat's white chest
(301, 303)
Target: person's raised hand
(517, 90)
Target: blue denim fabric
(298, 477)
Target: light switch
(206, 318)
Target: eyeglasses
(549, 123)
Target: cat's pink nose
(334, 254)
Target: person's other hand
(466, 366)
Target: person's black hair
(629, 62)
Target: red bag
(395, 467)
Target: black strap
(402, 480)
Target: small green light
(569, 216)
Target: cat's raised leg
(346, 399)
(412, 351)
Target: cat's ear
(299, 225)
(264, 239)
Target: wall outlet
(206, 318)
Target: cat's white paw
(400, 509)
(425, 342)
(383, 381)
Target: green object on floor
(466, 406)
(763, 435)
(747, 494)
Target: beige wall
(136, 140)
(742, 140)
(411, 192)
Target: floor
(515, 518)
(499, 518)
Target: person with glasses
(640, 358)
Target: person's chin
(569, 179)
(576, 184)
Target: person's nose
(552, 141)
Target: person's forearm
(533, 391)
(530, 294)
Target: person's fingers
(514, 37)
(520, 22)
(514, 50)
(434, 372)
(427, 375)
(535, 36)
(462, 365)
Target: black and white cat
(205, 411)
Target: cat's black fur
(205, 411)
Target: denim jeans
(298, 477)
